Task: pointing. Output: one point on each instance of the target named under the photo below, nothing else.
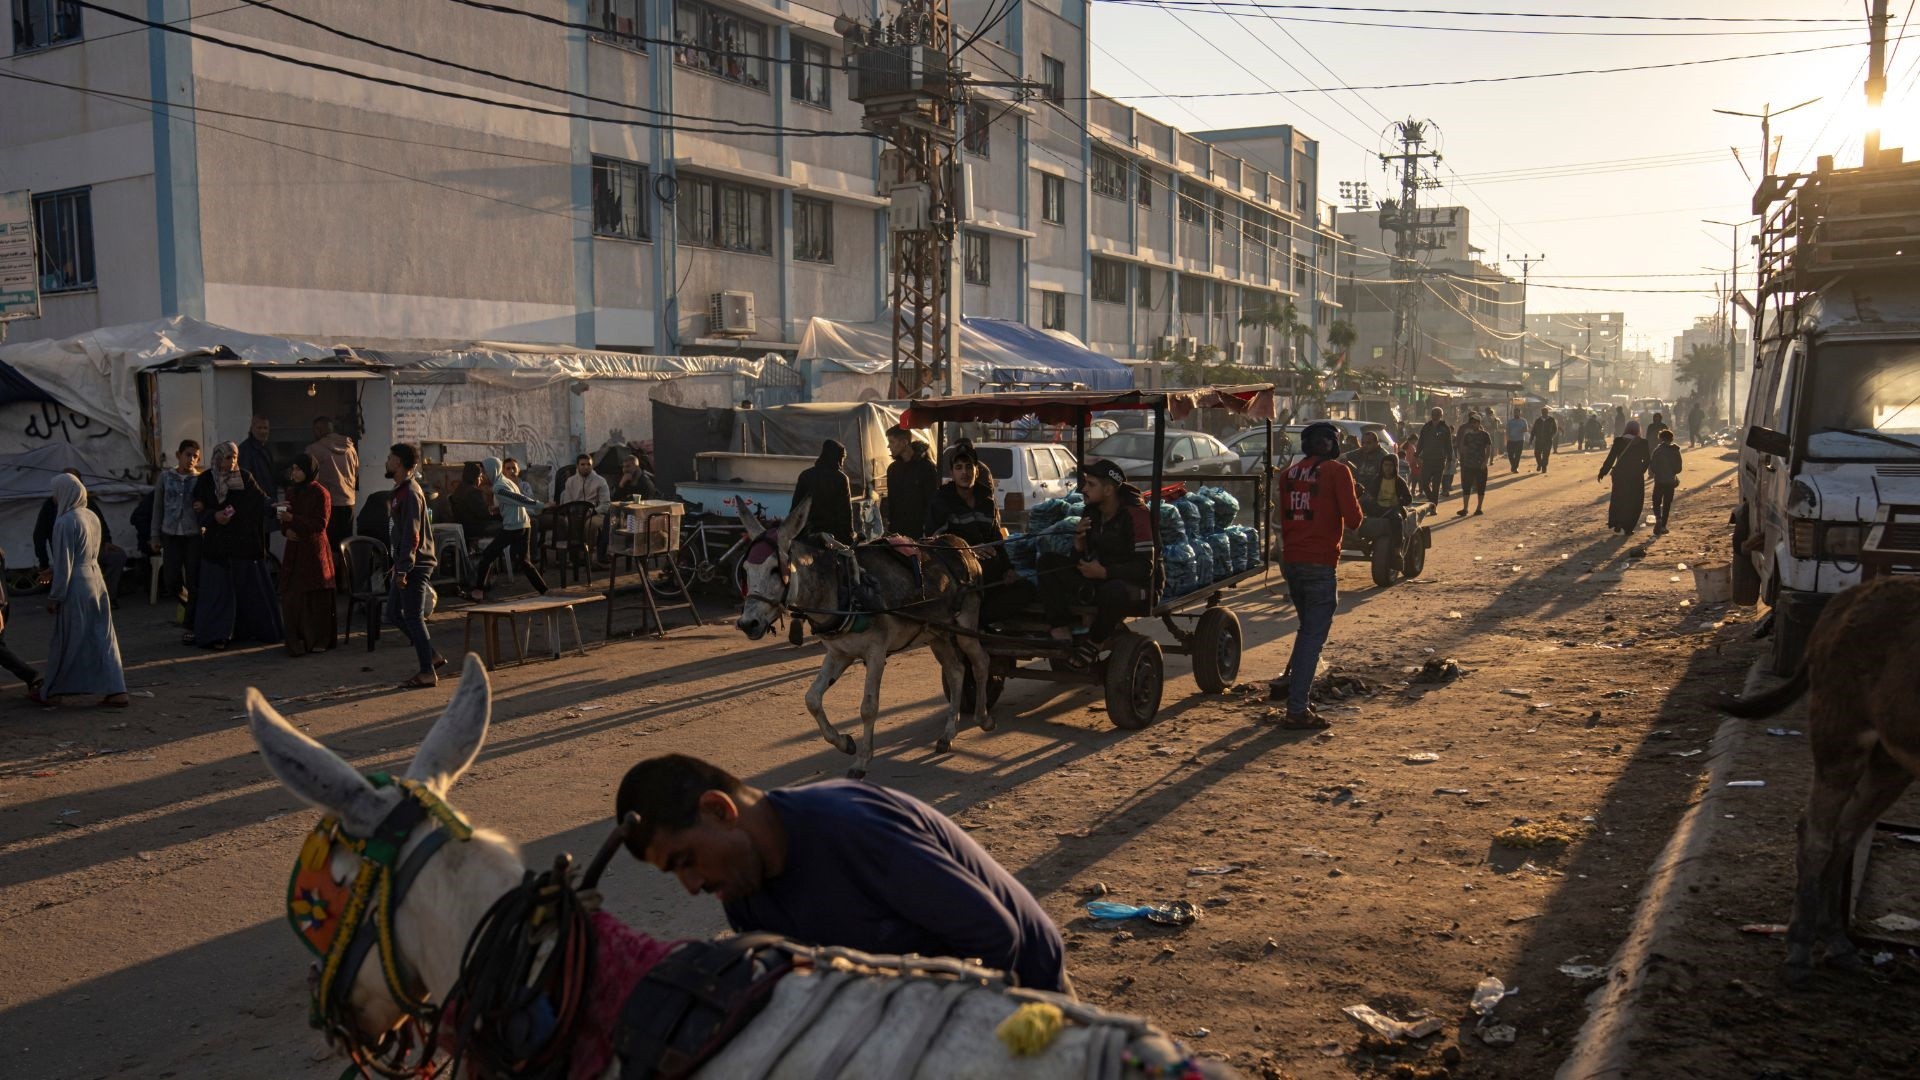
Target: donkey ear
(456, 737)
(315, 773)
(794, 526)
(753, 526)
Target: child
(1665, 467)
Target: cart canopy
(1076, 406)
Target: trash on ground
(1388, 1028)
(1198, 1033)
(1453, 615)
(1899, 924)
(1516, 692)
(1583, 971)
(1769, 928)
(1781, 731)
(1911, 838)
(1685, 753)
(1556, 831)
(1498, 1034)
(1422, 757)
(1174, 913)
(1489, 994)
(1746, 783)
(1439, 671)
(1208, 871)
(1450, 791)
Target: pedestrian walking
(20, 668)
(237, 601)
(113, 560)
(1619, 421)
(509, 544)
(411, 542)
(83, 655)
(1655, 426)
(1436, 448)
(306, 567)
(1318, 502)
(1592, 437)
(912, 479)
(339, 474)
(1696, 420)
(1476, 458)
(1517, 433)
(1627, 462)
(1546, 438)
(178, 530)
(1664, 465)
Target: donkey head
(765, 569)
(454, 886)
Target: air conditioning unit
(731, 313)
(1237, 352)
(1165, 346)
(910, 208)
(1188, 346)
(1266, 356)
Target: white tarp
(522, 366)
(991, 350)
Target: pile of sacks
(1207, 545)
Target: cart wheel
(1385, 556)
(1416, 559)
(1216, 650)
(995, 684)
(1135, 674)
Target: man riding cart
(1389, 535)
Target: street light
(1733, 309)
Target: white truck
(1834, 406)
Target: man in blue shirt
(838, 863)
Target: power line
(1523, 14)
(1497, 78)
(518, 106)
(1201, 6)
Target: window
(1193, 204)
(808, 75)
(1109, 175)
(720, 43)
(1218, 205)
(721, 214)
(979, 258)
(1301, 203)
(1143, 186)
(812, 230)
(64, 222)
(1041, 465)
(1299, 271)
(1259, 227)
(1193, 296)
(1053, 311)
(619, 22)
(1053, 79)
(1053, 199)
(1109, 281)
(620, 200)
(979, 137)
(40, 23)
(1147, 277)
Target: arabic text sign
(19, 269)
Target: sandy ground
(143, 854)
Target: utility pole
(1876, 80)
(1766, 116)
(1733, 310)
(1404, 220)
(1526, 270)
(903, 71)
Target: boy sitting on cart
(1112, 566)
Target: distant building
(1466, 312)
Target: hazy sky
(1624, 217)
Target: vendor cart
(1130, 669)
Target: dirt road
(143, 854)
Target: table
(547, 607)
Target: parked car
(1188, 453)
(1248, 445)
(1025, 473)
(1287, 441)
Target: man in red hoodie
(1317, 500)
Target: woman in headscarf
(236, 601)
(1627, 461)
(83, 656)
(306, 568)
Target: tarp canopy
(539, 365)
(861, 427)
(1075, 406)
(991, 351)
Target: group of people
(1432, 454)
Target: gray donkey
(789, 573)
(1864, 732)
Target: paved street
(143, 854)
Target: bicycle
(699, 566)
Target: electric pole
(1403, 218)
(1526, 269)
(1876, 80)
(903, 71)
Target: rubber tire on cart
(995, 684)
(1135, 673)
(1793, 617)
(1216, 650)
(1386, 563)
(1416, 558)
(1746, 579)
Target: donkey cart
(1130, 667)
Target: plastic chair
(571, 539)
(365, 562)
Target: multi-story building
(1466, 312)
(599, 173)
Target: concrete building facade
(597, 172)
(1467, 313)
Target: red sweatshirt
(1317, 499)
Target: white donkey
(805, 579)
(837, 1014)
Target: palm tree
(1280, 316)
(1340, 339)
(1703, 367)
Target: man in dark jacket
(829, 494)
(1696, 420)
(1112, 565)
(1476, 457)
(1664, 465)
(1436, 450)
(257, 461)
(1546, 436)
(911, 480)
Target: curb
(1601, 1051)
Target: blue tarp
(1042, 357)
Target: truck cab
(1833, 410)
